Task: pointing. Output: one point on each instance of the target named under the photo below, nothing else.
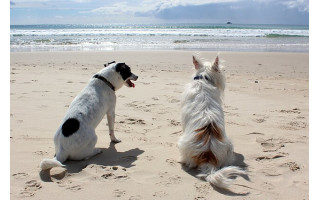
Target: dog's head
(126, 74)
(118, 74)
(210, 72)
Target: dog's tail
(222, 177)
(50, 163)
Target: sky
(159, 11)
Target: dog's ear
(215, 65)
(196, 63)
(109, 63)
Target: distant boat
(229, 23)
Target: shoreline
(189, 50)
(266, 106)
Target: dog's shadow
(108, 157)
(239, 161)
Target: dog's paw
(115, 140)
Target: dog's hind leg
(86, 148)
(111, 118)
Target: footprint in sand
(269, 157)
(107, 175)
(173, 100)
(260, 118)
(168, 180)
(294, 110)
(75, 188)
(32, 185)
(138, 105)
(255, 133)
(230, 107)
(269, 170)
(294, 125)
(41, 153)
(272, 144)
(30, 188)
(200, 198)
(298, 124)
(171, 162)
(20, 175)
(202, 188)
(155, 98)
(115, 173)
(293, 166)
(175, 123)
(148, 158)
(135, 121)
(172, 84)
(119, 193)
(136, 197)
(160, 194)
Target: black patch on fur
(124, 70)
(70, 126)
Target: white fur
(89, 107)
(201, 105)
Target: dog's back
(204, 143)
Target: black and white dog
(75, 139)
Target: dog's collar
(104, 80)
(200, 77)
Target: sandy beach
(266, 113)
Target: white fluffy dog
(204, 144)
(75, 139)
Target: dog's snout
(135, 77)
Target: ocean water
(215, 37)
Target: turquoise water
(216, 37)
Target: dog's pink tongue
(133, 85)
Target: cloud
(148, 6)
(301, 5)
(162, 11)
(30, 1)
(245, 11)
(115, 9)
(82, 1)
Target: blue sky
(159, 11)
